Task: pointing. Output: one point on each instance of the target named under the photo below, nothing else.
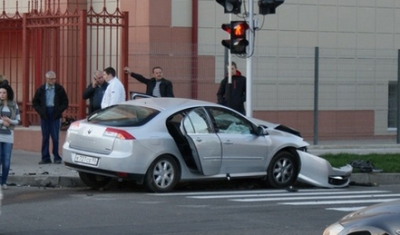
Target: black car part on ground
(364, 166)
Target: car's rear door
(205, 144)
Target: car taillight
(74, 126)
(122, 174)
(117, 133)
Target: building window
(392, 105)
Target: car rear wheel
(282, 170)
(94, 181)
(163, 175)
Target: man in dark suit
(157, 85)
(95, 91)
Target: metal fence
(72, 42)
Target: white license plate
(86, 160)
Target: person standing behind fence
(9, 118)
(115, 92)
(157, 85)
(50, 101)
(238, 95)
(95, 91)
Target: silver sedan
(159, 142)
(378, 219)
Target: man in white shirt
(115, 92)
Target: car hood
(385, 214)
(266, 123)
(278, 127)
(391, 207)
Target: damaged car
(160, 142)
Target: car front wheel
(282, 170)
(94, 181)
(163, 175)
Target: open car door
(204, 142)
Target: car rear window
(123, 115)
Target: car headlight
(333, 229)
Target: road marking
(337, 202)
(242, 192)
(287, 195)
(345, 208)
(304, 197)
(314, 198)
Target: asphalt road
(209, 211)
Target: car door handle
(228, 142)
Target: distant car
(379, 219)
(162, 141)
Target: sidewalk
(25, 170)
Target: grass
(389, 163)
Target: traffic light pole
(249, 60)
(237, 43)
(230, 60)
(228, 95)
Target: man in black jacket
(50, 101)
(95, 91)
(238, 91)
(157, 85)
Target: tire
(162, 175)
(282, 171)
(94, 181)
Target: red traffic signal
(237, 42)
(239, 29)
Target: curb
(371, 179)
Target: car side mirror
(261, 131)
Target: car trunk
(91, 138)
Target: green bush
(389, 163)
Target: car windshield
(230, 123)
(123, 115)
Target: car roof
(169, 103)
(174, 104)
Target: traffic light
(227, 42)
(268, 6)
(231, 6)
(237, 42)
